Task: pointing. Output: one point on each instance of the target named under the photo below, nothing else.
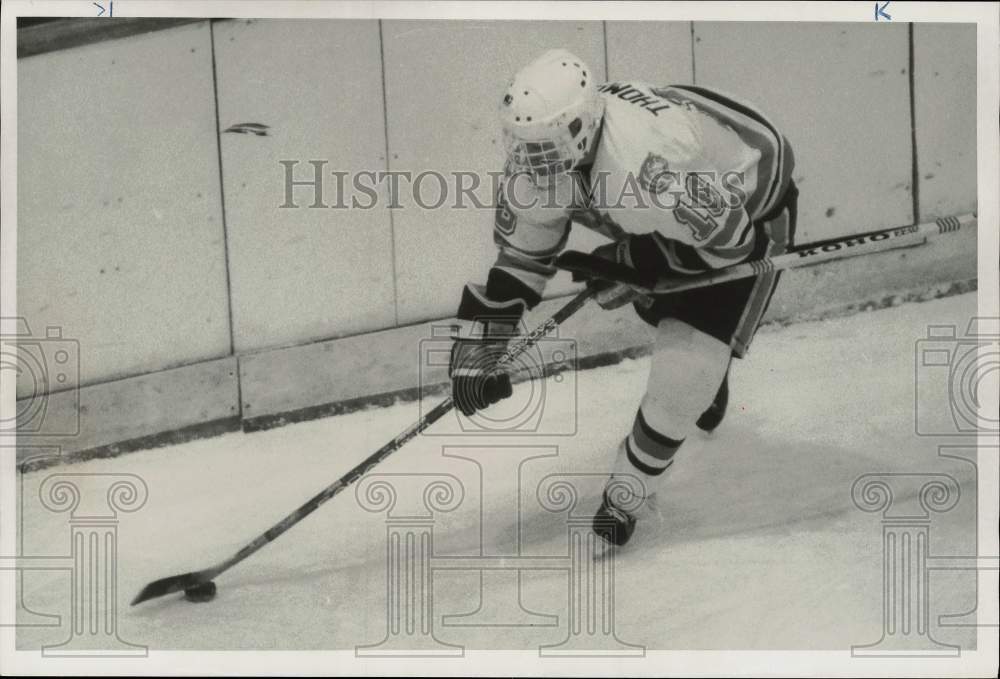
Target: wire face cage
(545, 161)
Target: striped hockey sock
(647, 451)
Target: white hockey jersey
(697, 168)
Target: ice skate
(613, 524)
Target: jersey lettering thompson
(697, 169)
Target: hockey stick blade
(588, 267)
(174, 583)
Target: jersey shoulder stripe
(775, 166)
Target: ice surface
(758, 544)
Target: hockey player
(683, 180)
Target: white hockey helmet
(550, 115)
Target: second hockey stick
(200, 579)
(586, 266)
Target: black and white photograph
(499, 339)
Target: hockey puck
(200, 593)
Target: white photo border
(981, 662)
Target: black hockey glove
(476, 379)
(613, 295)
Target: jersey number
(698, 219)
(506, 221)
(702, 212)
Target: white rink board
(840, 94)
(298, 276)
(302, 274)
(118, 202)
(945, 110)
(140, 412)
(444, 81)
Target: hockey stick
(586, 266)
(196, 579)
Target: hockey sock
(687, 367)
(645, 454)
(647, 451)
